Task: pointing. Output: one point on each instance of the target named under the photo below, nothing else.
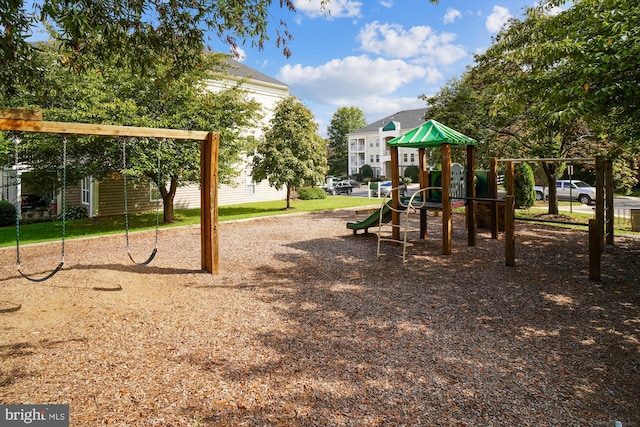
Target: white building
(367, 145)
(268, 92)
(105, 197)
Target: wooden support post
(492, 189)
(594, 250)
(509, 179)
(209, 203)
(423, 177)
(447, 223)
(608, 190)
(600, 197)
(509, 231)
(471, 194)
(395, 182)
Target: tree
(412, 172)
(578, 74)
(523, 183)
(132, 35)
(292, 153)
(344, 120)
(366, 171)
(150, 100)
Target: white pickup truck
(567, 190)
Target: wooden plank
(447, 222)
(509, 231)
(101, 130)
(492, 184)
(509, 179)
(20, 114)
(471, 193)
(209, 240)
(395, 182)
(552, 159)
(423, 178)
(594, 250)
(600, 197)
(608, 191)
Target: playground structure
(434, 134)
(31, 121)
(601, 228)
(429, 135)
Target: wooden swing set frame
(19, 120)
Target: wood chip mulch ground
(305, 326)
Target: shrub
(74, 212)
(366, 171)
(412, 172)
(311, 193)
(523, 182)
(7, 213)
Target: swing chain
(126, 211)
(18, 181)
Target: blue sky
(378, 55)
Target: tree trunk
(551, 171)
(167, 203)
(167, 196)
(288, 196)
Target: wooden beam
(471, 193)
(509, 179)
(608, 191)
(423, 178)
(492, 190)
(551, 159)
(600, 198)
(101, 130)
(209, 203)
(509, 231)
(395, 182)
(594, 250)
(447, 222)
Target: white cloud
(394, 41)
(332, 9)
(451, 15)
(341, 81)
(386, 4)
(238, 53)
(497, 19)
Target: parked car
(567, 190)
(385, 187)
(342, 187)
(354, 183)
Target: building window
(377, 158)
(405, 157)
(250, 186)
(86, 190)
(413, 158)
(371, 158)
(154, 192)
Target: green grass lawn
(49, 230)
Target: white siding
(268, 95)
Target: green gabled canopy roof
(431, 134)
